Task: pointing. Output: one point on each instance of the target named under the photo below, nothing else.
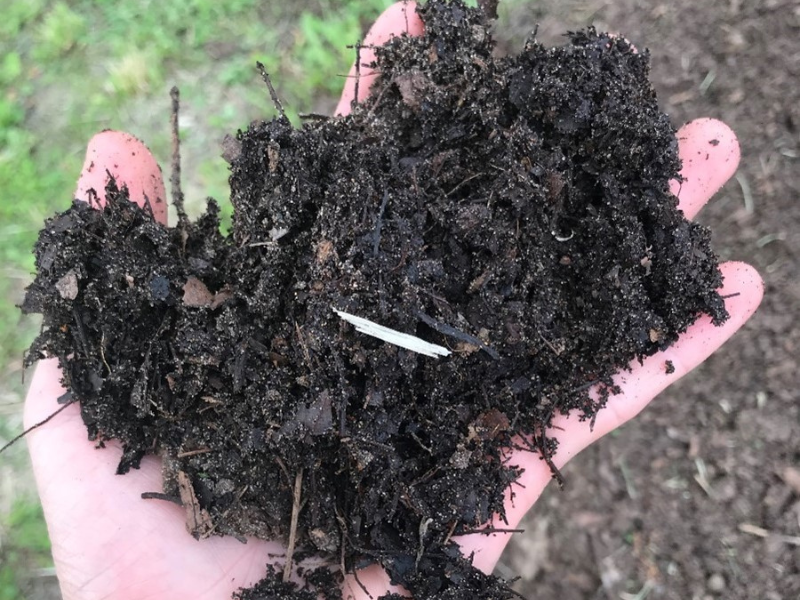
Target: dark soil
(633, 517)
(513, 211)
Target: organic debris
(513, 214)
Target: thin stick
(445, 329)
(764, 533)
(36, 426)
(298, 487)
(275, 100)
(313, 117)
(540, 444)
(189, 453)
(491, 530)
(354, 101)
(160, 496)
(175, 178)
(149, 207)
(379, 222)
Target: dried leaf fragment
(67, 286)
(198, 520)
(196, 294)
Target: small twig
(445, 329)
(282, 465)
(467, 180)
(160, 496)
(175, 177)
(81, 333)
(301, 338)
(66, 398)
(626, 476)
(423, 531)
(541, 445)
(702, 478)
(354, 101)
(549, 345)
(298, 487)
(189, 453)
(757, 531)
(747, 194)
(103, 352)
(149, 207)
(491, 530)
(36, 426)
(313, 117)
(91, 195)
(450, 532)
(379, 224)
(419, 441)
(275, 100)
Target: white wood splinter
(404, 340)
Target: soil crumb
(510, 216)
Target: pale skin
(109, 543)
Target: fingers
(87, 507)
(638, 388)
(108, 542)
(710, 154)
(65, 465)
(396, 20)
(131, 164)
(128, 160)
(648, 379)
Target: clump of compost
(512, 213)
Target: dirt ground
(700, 496)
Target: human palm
(109, 543)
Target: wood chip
(412, 88)
(231, 148)
(791, 477)
(324, 251)
(198, 521)
(757, 531)
(196, 294)
(67, 286)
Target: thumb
(130, 162)
(398, 19)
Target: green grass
(25, 546)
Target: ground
(691, 499)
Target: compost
(511, 216)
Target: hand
(109, 543)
